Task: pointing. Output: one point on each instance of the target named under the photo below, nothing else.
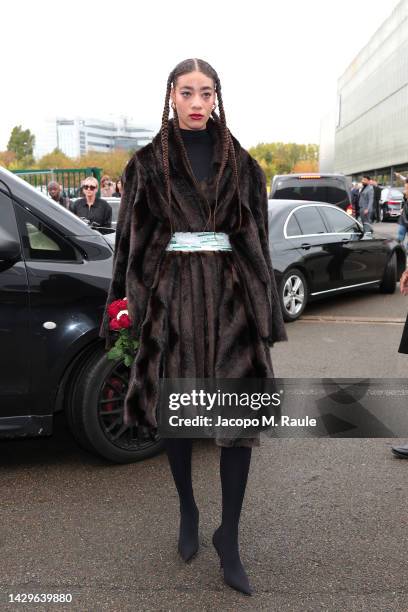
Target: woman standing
(199, 310)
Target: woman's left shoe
(234, 572)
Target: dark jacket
(403, 218)
(100, 212)
(144, 229)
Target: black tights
(234, 468)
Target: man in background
(366, 199)
(375, 216)
(55, 193)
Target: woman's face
(194, 97)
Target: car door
(15, 343)
(67, 289)
(314, 246)
(360, 256)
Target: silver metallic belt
(199, 241)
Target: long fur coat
(195, 314)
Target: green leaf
(115, 353)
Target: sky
(278, 61)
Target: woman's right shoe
(188, 534)
(234, 573)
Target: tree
(283, 158)
(21, 143)
(56, 159)
(7, 158)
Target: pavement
(323, 528)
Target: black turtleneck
(199, 147)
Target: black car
(318, 250)
(390, 203)
(55, 272)
(313, 187)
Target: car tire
(294, 282)
(94, 431)
(389, 280)
(381, 214)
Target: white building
(76, 136)
(371, 122)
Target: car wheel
(389, 279)
(293, 294)
(96, 413)
(381, 215)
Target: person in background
(375, 215)
(402, 451)
(355, 194)
(107, 187)
(118, 189)
(403, 218)
(55, 193)
(96, 210)
(366, 199)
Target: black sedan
(318, 250)
(55, 272)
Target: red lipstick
(196, 117)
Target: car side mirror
(10, 248)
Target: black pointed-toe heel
(188, 543)
(234, 573)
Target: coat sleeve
(135, 226)
(259, 208)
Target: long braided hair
(228, 151)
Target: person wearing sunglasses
(94, 209)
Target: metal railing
(70, 179)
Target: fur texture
(197, 314)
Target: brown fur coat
(240, 298)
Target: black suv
(54, 276)
(329, 188)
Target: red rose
(115, 307)
(124, 321)
(114, 325)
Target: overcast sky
(278, 61)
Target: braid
(164, 134)
(228, 150)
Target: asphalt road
(324, 521)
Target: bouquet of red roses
(119, 321)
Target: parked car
(313, 187)
(55, 272)
(390, 203)
(318, 250)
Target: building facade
(76, 136)
(371, 123)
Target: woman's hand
(404, 283)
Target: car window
(310, 221)
(293, 227)
(395, 194)
(8, 227)
(40, 242)
(339, 221)
(314, 192)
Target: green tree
(284, 158)
(21, 143)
